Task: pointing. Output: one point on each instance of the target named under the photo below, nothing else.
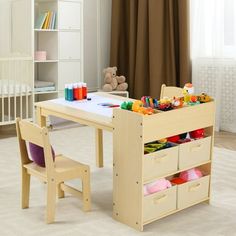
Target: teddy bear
(112, 81)
(122, 85)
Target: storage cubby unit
(132, 168)
(63, 44)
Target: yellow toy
(138, 107)
(187, 92)
(204, 98)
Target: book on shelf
(40, 21)
(46, 20)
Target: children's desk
(132, 168)
(93, 113)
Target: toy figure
(187, 92)
(177, 102)
(204, 98)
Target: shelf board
(46, 92)
(46, 30)
(47, 61)
(69, 30)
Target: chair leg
(25, 189)
(51, 202)
(86, 190)
(60, 192)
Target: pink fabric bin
(40, 55)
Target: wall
(105, 35)
(4, 28)
(15, 28)
(90, 43)
(97, 22)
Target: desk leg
(99, 147)
(41, 120)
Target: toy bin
(158, 204)
(194, 152)
(160, 163)
(193, 192)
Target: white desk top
(97, 104)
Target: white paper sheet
(93, 106)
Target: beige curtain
(150, 44)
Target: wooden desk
(132, 169)
(90, 117)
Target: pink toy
(191, 174)
(145, 192)
(156, 186)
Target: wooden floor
(225, 140)
(222, 139)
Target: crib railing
(16, 86)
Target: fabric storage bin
(192, 192)
(158, 204)
(194, 152)
(160, 163)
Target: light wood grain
(170, 91)
(54, 174)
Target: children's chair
(54, 174)
(171, 91)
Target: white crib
(16, 87)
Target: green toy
(126, 105)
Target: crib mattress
(11, 88)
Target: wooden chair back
(171, 91)
(27, 131)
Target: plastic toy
(165, 104)
(177, 102)
(174, 139)
(204, 98)
(188, 89)
(197, 134)
(136, 106)
(163, 140)
(191, 174)
(126, 105)
(149, 102)
(157, 186)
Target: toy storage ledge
(132, 169)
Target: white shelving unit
(64, 46)
(18, 66)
